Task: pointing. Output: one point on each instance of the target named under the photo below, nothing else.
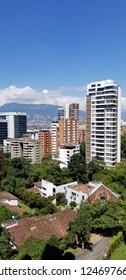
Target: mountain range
(41, 114)
(38, 114)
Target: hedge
(119, 238)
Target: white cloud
(60, 96)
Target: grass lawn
(119, 253)
(26, 208)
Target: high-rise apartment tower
(103, 122)
(72, 111)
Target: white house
(92, 191)
(47, 188)
(77, 192)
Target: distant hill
(41, 113)
(37, 113)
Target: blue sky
(51, 49)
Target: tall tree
(78, 168)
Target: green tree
(61, 199)
(123, 147)
(8, 184)
(5, 214)
(78, 168)
(82, 149)
(33, 248)
(6, 250)
(93, 168)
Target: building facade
(82, 133)
(57, 132)
(64, 132)
(27, 148)
(16, 123)
(45, 137)
(72, 111)
(67, 151)
(103, 122)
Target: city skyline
(49, 53)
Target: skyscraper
(65, 129)
(72, 111)
(16, 123)
(103, 122)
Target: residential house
(47, 188)
(77, 192)
(41, 227)
(89, 192)
(7, 198)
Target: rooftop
(42, 227)
(7, 195)
(34, 190)
(83, 188)
(38, 184)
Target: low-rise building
(8, 198)
(89, 192)
(42, 227)
(47, 188)
(77, 192)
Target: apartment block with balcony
(103, 122)
(27, 148)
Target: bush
(115, 243)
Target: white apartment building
(103, 121)
(55, 138)
(67, 151)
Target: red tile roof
(83, 188)
(34, 190)
(7, 195)
(38, 184)
(42, 227)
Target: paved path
(97, 252)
